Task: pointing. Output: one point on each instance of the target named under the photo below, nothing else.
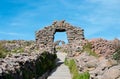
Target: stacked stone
(45, 37)
(102, 47)
(13, 63)
(16, 65)
(99, 68)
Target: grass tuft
(74, 71)
(88, 48)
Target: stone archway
(57, 43)
(45, 37)
(58, 33)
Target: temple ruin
(45, 37)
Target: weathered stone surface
(102, 47)
(99, 68)
(25, 65)
(85, 61)
(45, 37)
(112, 73)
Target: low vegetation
(74, 71)
(44, 63)
(116, 54)
(15, 46)
(3, 51)
(62, 49)
(88, 48)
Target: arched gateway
(45, 37)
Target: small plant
(18, 50)
(3, 51)
(116, 55)
(88, 48)
(84, 75)
(116, 44)
(74, 71)
(59, 48)
(66, 61)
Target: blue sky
(19, 19)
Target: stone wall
(102, 47)
(27, 66)
(45, 37)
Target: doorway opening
(60, 36)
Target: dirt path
(62, 71)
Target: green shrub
(116, 44)
(8, 76)
(3, 51)
(116, 55)
(43, 64)
(84, 75)
(18, 50)
(88, 49)
(87, 45)
(66, 61)
(46, 62)
(58, 48)
(74, 71)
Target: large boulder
(86, 62)
(112, 73)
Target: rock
(92, 63)
(15, 65)
(85, 62)
(102, 47)
(97, 67)
(1, 71)
(118, 78)
(112, 73)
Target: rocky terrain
(102, 47)
(8, 47)
(26, 66)
(20, 59)
(97, 57)
(99, 68)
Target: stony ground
(100, 65)
(62, 71)
(99, 68)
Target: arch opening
(60, 36)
